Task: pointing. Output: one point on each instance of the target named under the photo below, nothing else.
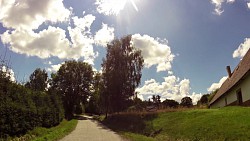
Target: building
(236, 89)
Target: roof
(239, 72)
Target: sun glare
(133, 3)
(117, 5)
(110, 7)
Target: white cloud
(154, 52)
(46, 43)
(81, 38)
(30, 14)
(54, 68)
(170, 88)
(248, 5)
(195, 97)
(110, 7)
(84, 23)
(8, 72)
(218, 10)
(170, 72)
(218, 5)
(215, 86)
(242, 49)
(230, 1)
(140, 96)
(53, 42)
(104, 35)
(184, 87)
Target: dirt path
(90, 130)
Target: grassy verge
(50, 134)
(230, 123)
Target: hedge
(22, 109)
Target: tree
(73, 80)
(204, 99)
(170, 103)
(186, 102)
(122, 73)
(156, 100)
(212, 94)
(95, 100)
(38, 80)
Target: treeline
(155, 103)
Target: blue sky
(187, 44)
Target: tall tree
(186, 102)
(95, 100)
(122, 73)
(73, 80)
(38, 80)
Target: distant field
(230, 123)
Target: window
(239, 97)
(225, 101)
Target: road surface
(90, 130)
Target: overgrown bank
(230, 123)
(48, 134)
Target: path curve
(90, 130)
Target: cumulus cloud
(54, 68)
(248, 5)
(195, 97)
(154, 52)
(81, 38)
(171, 88)
(53, 42)
(104, 35)
(8, 72)
(110, 7)
(184, 86)
(218, 5)
(215, 86)
(84, 23)
(170, 72)
(46, 43)
(30, 14)
(24, 16)
(242, 49)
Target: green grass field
(230, 123)
(49, 134)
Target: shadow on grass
(132, 122)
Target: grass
(229, 123)
(50, 134)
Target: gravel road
(90, 130)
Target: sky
(186, 44)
